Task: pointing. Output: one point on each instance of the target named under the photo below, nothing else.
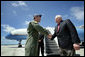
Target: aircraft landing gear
(20, 43)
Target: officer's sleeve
(73, 32)
(40, 29)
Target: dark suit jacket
(41, 37)
(67, 35)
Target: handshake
(49, 36)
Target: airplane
(21, 34)
(18, 34)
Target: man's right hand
(49, 36)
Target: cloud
(82, 26)
(19, 3)
(67, 17)
(30, 16)
(27, 22)
(77, 12)
(14, 31)
(7, 28)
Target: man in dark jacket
(41, 44)
(68, 39)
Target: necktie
(58, 27)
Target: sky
(18, 14)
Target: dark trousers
(42, 49)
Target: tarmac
(13, 50)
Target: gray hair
(58, 16)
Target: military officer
(33, 30)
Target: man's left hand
(76, 46)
